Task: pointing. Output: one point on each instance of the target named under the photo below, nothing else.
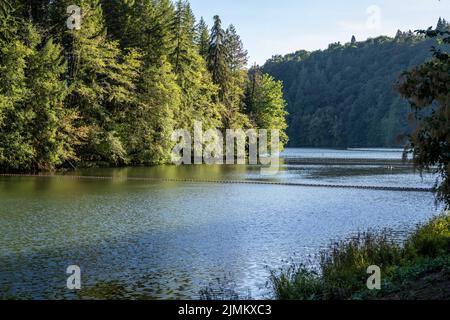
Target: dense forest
(345, 96)
(110, 83)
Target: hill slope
(344, 96)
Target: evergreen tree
(54, 136)
(440, 25)
(237, 58)
(217, 57)
(8, 22)
(331, 103)
(102, 79)
(202, 38)
(149, 29)
(121, 87)
(237, 55)
(184, 51)
(36, 11)
(38, 132)
(148, 126)
(353, 41)
(118, 19)
(16, 150)
(5, 7)
(192, 76)
(254, 76)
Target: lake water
(167, 240)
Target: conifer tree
(8, 22)
(38, 132)
(148, 127)
(440, 25)
(198, 91)
(5, 7)
(15, 142)
(237, 58)
(118, 19)
(237, 55)
(102, 79)
(202, 38)
(184, 51)
(149, 29)
(217, 56)
(114, 89)
(54, 136)
(254, 76)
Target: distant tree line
(345, 96)
(114, 90)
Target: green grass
(343, 267)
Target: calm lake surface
(159, 240)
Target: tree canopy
(427, 88)
(345, 96)
(113, 91)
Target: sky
(270, 27)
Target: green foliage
(343, 266)
(148, 126)
(217, 57)
(265, 103)
(344, 96)
(234, 86)
(297, 283)
(15, 142)
(36, 131)
(202, 38)
(113, 91)
(54, 135)
(103, 79)
(431, 240)
(8, 22)
(427, 88)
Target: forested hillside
(109, 83)
(345, 96)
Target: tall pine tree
(237, 58)
(218, 56)
(192, 75)
(202, 38)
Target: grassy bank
(417, 269)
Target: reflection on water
(383, 154)
(154, 240)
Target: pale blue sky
(271, 27)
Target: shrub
(343, 266)
(431, 240)
(297, 283)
